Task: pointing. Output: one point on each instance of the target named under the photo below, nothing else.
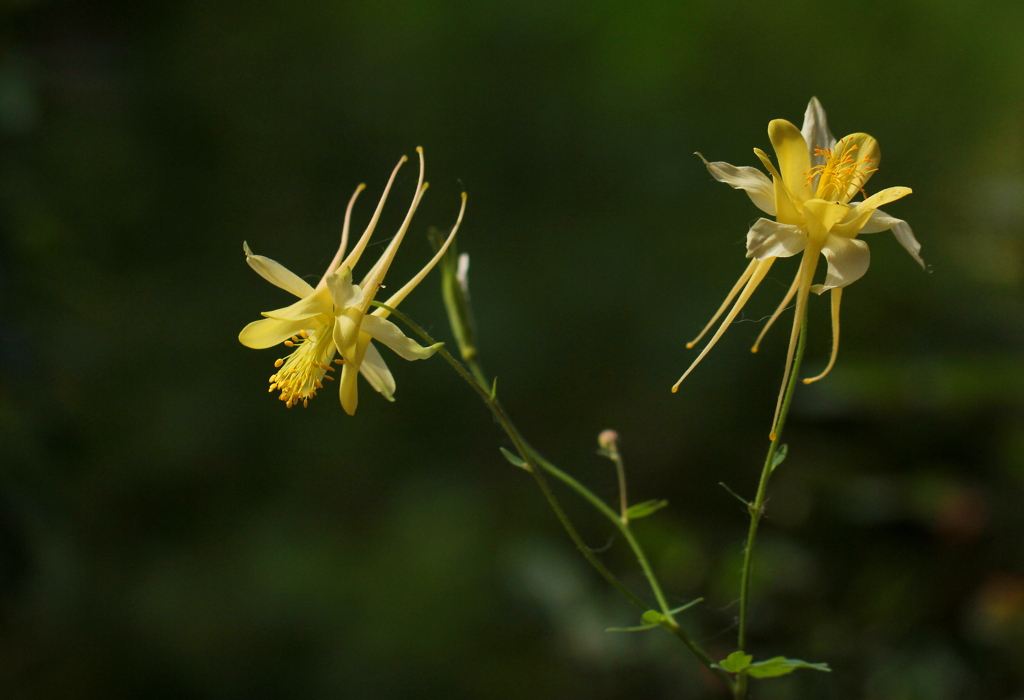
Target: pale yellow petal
(770, 239)
(277, 274)
(376, 372)
(861, 214)
(348, 388)
(821, 216)
(346, 335)
(316, 304)
(794, 158)
(391, 335)
(786, 210)
(343, 292)
(751, 180)
(269, 332)
(848, 260)
(816, 132)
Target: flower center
(840, 170)
(302, 373)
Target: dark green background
(169, 530)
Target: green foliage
(642, 510)
(780, 456)
(780, 666)
(736, 662)
(653, 617)
(639, 628)
(514, 459)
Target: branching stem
(537, 466)
(756, 508)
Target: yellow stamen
(303, 370)
(840, 170)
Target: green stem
(756, 508)
(475, 377)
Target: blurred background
(169, 530)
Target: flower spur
(333, 317)
(809, 195)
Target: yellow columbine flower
(809, 195)
(332, 318)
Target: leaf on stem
(736, 662)
(494, 388)
(738, 497)
(780, 456)
(514, 459)
(653, 617)
(642, 510)
(641, 628)
(689, 605)
(780, 666)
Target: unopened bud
(462, 274)
(608, 440)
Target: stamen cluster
(303, 371)
(840, 170)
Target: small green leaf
(736, 662)
(780, 666)
(653, 617)
(738, 497)
(642, 510)
(641, 628)
(687, 606)
(780, 456)
(494, 388)
(514, 459)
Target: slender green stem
(536, 465)
(756, 508)
(620, 469)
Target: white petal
(270, 331)
(755, 183)
(389, 334)
(343, 292)
(880, 221)
(770, 239)
(848, 260)
(815, 130)
(277, 274)
(462, 274)
(376, 372)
